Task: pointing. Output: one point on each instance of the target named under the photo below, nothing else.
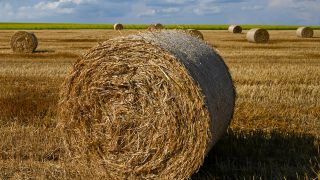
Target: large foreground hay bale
(118, 26)
(195, 33)
(147, 106)
(305, 32)
(235, 29)
(23, 42)
(258, 35)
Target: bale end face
(23, 42)
(235, 29)
(305, 32)
(118, 26)
(258, 35)
(147, 106)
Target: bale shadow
(256, 154)
(235, 40)
(297, 40)
(43, 51)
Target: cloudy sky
(295, 12)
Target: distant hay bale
(258, 35)
(147, 106)
(305, 32)
(118, 26)
(151, 27)
(23, 42)
(157, 26)
(235, 29)
(195, 33)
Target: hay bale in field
(305, 32)
(151, 27)
(235, 29)
(195, 33)
(258, 35)
(157, 26)
(23, 42)
(118, 26)
(147, 106)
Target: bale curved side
(23, 42)
(305, 32)
(258, 35)
(195, 33)
(146, 106)
(235, 29)
(118, 26)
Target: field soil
(275, 132)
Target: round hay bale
(195, 33)
(118, 26)
(151, 27)
(235, 29)
(23, 42)
(305, 32)
(159, 26)
(154, 27)
(258, 35)
(147, 106)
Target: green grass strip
(44, 26)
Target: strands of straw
(147, 106)
(258, 35)
(305, 32)
(23, 42)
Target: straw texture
(23, 42)
(147, 106)
(305, 32)
(118, 26)
(235, 29)
(258, 35)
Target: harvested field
(275, 132)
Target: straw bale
(118, 26)
(154, 27)
(147, 106)
(235, 29)
(305, 32)
(258, 35)
(23, 42)
(195, 33)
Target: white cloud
(148, 12)
(207, 10)
(305, 11)
(6, 11)
(252, 8)
(165, 11)
(170, 10)
(206, 7)
(161, 12)
(53, 6)
(50, 8)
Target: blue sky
(295, 12)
